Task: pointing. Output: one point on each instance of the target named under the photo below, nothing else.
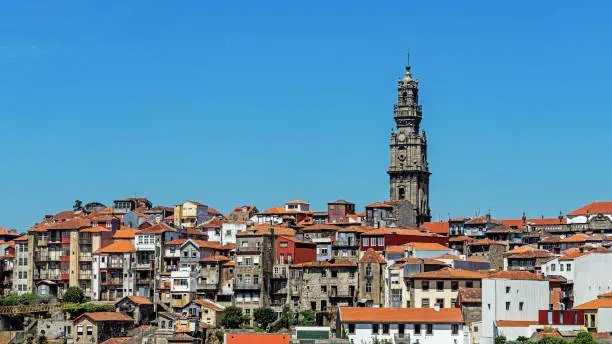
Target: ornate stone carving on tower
(409, 170)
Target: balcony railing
(85, 275)
(343, 243)
(146, 280)
(144, 266)
(208, 286)
(42, 242)
(115, 264)
(335, 293)
(85, 257)
(113, 281)
(171, 267)
(85, 241)
(246, 286)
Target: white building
(584, 271)
(20, 265)
(589, 211)
(511, 296)
(112, 271)
(229, 231)
(402, 325)
(427, 250)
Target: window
(381, 241)
(375, 328)
(569, 267)
(334, 273)
(401, 328)
(402, 193)
(440, 285)
(368, 287)
(475, 328)
(429, 329)
(247, 261)
(282, 258)
(284, 244)
(454, 285)
(560, 267)
(366, 241)
(368, 270)
(453, 302)
(185, 254)
(424, 303)
(244, 244)
(507, 290)
(417, 328)
(553, 267)
(324, 289)
(385, 328)
(425, 285)
(194, 254)
(351, 329)
(352, 274)
(507, 306)
(440, 302)
(520, 306)
(455, 329)
(289, 258)
(256, 279)
(89, 330)
(80, 330)
(469, 284)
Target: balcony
(66, 240)
(340, 294)
(144, 266)
(171, 267)
(42, 242)
(85, 258)
(246, 286)
(114, 264)
(113, 281)
(54, 240)
(64, 277)
(144, 280)
(85, 275)
(85, 241)
(65, 259)
(208, 286)
(345, 243)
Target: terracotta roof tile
(448, 273)
(6, 231)
(116, 340)
(217, 258)
(426, 246)
(22, 238)
(176, 242)
(210, 305)
(126, 233)
(481, 220)
(436, 227)
(214, 211)
(595, 304)
(119, 246)
(503, 229)
(96, 229)
(371, 256)
(257, 338)
(325, 264)
(75, 223)
(470, 295)
(395, 249)
(486, 242)
(379, 205)
(266, 229)
(400, 315)
(520, 249)
(594, 209)
(398, 231)
(140, 300)
(297, 201)
(321, 227)
(532, 254)
(104, 316)
(515, 323)
(461, 238)
(214, 223)
(448, 256)
(606, 295)
(158, 228)
(515, 275)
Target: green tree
(553, 340)
(42, 339)
(74, 295)
(584, 338)
(522, 339)
(263, 317)
(306, 318)
(78, 205)
(500, 340)
(232, 317)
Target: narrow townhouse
(440, 288)
(20, 266)
(372, 267)
(113, 271)
(91, 239)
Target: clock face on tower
(401, 137)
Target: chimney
(437, 307)
(524, 218)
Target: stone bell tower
(409, 170)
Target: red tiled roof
(398, 231)
(214, 223)
(6, 231)
(210, 305)
(214, 211)
(448, 273)
(520, 249)
(400, 315)
(371, 256)
(426, 246)
(266, 229)
(448, 256)
(576, 238)
(294, 240)
(594, 209)
(75, 223)
(503, 229)
(486, 242)
(217, 258)
(273, 211)
(116, 340)
(515, 323)
(297, 201)
(606, 295)
(471, 295)
(515, 275)
(379, 205)
(176, 242)
(481, 220)
(104, 316)
(461, 238)
(595, 304)
(395, 249)
(321, 227)
(436, 227)
(96, 229)
(140, 300)
(158, 228)
(22, 238)
(532, 254)
(126, 233)
(257, 338)
(119, 246)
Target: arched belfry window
(401, 193)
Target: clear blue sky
(264, 102)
